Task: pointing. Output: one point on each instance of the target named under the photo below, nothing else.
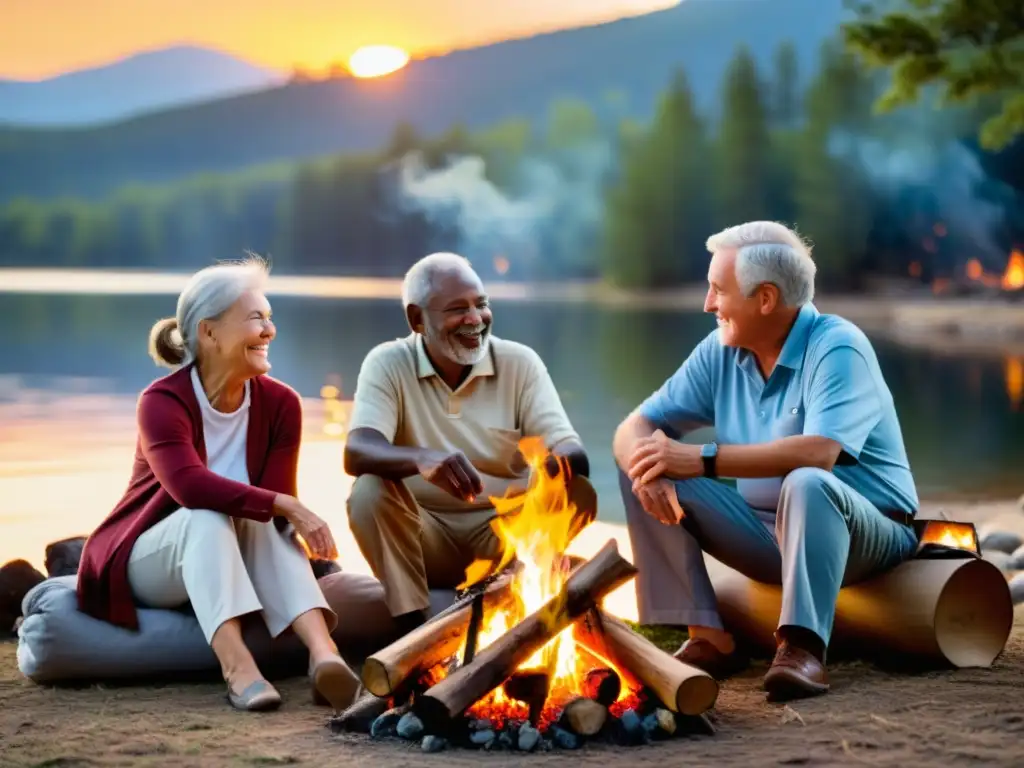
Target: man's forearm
(635, 427)
(368, 452)
(777, 458)
(574, 455)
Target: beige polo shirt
(507, 395)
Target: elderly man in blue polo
(805, 423)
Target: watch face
(708, 451)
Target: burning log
(585, 717)
(681, 688)
(603, 686)
(530, 687)
(428, 645)
(449, 698)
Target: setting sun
(377, 60)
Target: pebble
(506, 740)
(480, 724)
(636, 733)
(999, 559)
(666, 721)
(432, 743)
(1000, 541)
(386, 724)
(482, 738)
(564, 739)
(1017, 588)
(529, 737)
(410, 726)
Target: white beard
(456, 352)
(464, 356)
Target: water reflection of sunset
(1013, 368)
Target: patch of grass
(666, 638)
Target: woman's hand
(314, 531)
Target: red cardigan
(170, 472)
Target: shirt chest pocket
(788, 421)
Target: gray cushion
(59, 643)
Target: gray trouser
(823, 536)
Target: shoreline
(962, 326)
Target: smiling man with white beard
(434, 434)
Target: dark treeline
(590, 194)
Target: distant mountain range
(476, 87)
(141, 83)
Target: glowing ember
(535, 528)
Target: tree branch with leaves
(969, 49)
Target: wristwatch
(709, 454)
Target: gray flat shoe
(257, 697)
(334, 683)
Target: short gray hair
(769, 252)
(419, 280)
(174, 341)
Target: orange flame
(1013, 277)
(535, 528)
(947, 534)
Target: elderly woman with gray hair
(211, 507)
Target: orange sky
(40, 38)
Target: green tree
(970, 49)
(831, 196)
(744, 146)
(657, 213)
(786, 87)
(570, 122)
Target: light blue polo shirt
(827, 382)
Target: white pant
(226, 567)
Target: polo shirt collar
(793, 348)
(792, 355)
(425, 369)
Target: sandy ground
(964, 717)
(968, 717)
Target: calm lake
(962, 417)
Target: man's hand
(660, 456)
(451, 472)
(659, 500)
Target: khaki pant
(226, 567)
(412, 550)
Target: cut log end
(584, 717)
(375, 678)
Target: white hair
(418, 284)
(174, 341)
(769, 252)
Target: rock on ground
(16, 579)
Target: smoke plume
(945, 178)
(554, 200)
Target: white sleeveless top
(225, 435)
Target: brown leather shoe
(795, 674)
(701, 653)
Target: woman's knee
(209, 528)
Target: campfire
(976, 278)
(527, 658)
